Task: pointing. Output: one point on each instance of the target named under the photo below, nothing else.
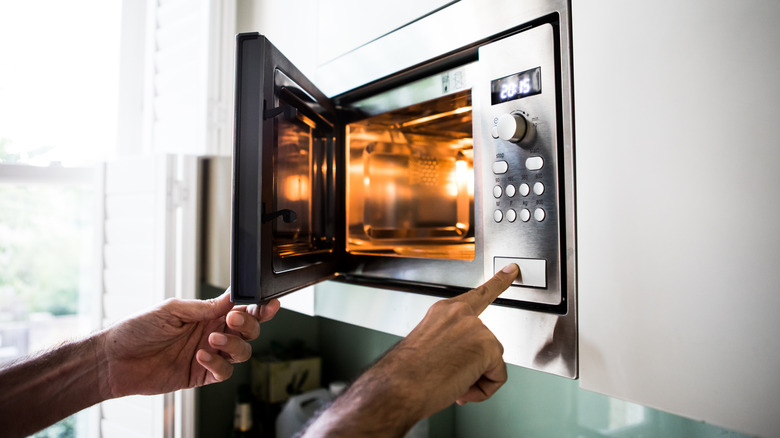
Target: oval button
(497, 192)
(500, 167)
(524, 189)
(510, 190)
(539, 214)
(534, 163)
(498, 216)
(511, 215)
(538, 188)
(525, 215)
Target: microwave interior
(410, 181)
(409, 184)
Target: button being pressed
(533, 272)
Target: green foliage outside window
(44, 242)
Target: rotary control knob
(512, 127)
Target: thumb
(202, 310)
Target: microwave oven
(427, 180)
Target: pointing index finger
(481, 296)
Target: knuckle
(171, 302)
(225, 374)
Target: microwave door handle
(288, 216)
(289, 112)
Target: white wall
(677, 169)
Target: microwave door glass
(303, 184)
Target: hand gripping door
(285, 228)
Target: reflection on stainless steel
(410, 181)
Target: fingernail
(205, 356)
(236, 319)
(510, 268)
(218, 339)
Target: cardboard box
(275, 381)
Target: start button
(533, 272)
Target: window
(59, 66)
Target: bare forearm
(42, 390)
(383, 402)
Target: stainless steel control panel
(521, 197)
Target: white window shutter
(175, 104)
(190, 76)
(134, 263)
(148, 254)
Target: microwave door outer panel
(284, 230)
(526, 188)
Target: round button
(538, 188)
(510, 190)
(525, 215)
(498, 216)
(497, 192)
(511, 215)
(524, 189)
(539, 214)
(511, 127)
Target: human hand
(179, 344)
(450, 356)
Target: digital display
(516, 86)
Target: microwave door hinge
(289, 112)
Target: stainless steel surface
(432, 87)
(456, 26)
(535, 238)
(542, 340)
(216, 244)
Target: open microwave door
(285, 226)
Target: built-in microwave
(428, 180)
